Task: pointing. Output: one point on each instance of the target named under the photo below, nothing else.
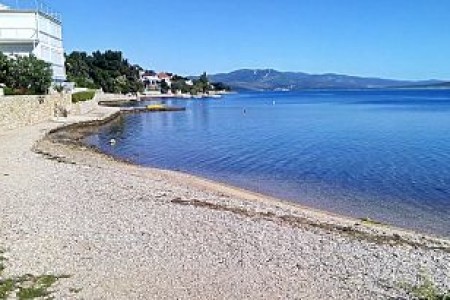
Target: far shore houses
(153, 81)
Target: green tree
(220, 86)
(108, 70)
(26, 74)
(204, 83)
(78, 69)
(164, 87)
(177, 85)
(33, 74)
(5, 68)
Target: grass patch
(18, 92)
(26, 286)
(83, 96)
(426, 289)
(31, 287)
(7, 286)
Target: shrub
(9, 91)
(83, 96)
(16, 92)
(26, 286)
(426, 289)
(107, 70)
(25, 74)
(59, 88)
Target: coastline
(284, 232)
(361, 228)
(70, 137)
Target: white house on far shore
(150, 80)
(33, 31)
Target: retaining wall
(19, 111)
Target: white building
(150, 80)
(33, 31)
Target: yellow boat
(156, 107)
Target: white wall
(50, 47)
(18, 19)
(17, 26)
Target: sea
(378, 154)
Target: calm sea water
(378, 154)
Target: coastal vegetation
(26, 286)
(426, 289)
(25, 75)
(201, 85)
(108, 70)
(83, 96)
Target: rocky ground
(127, 232)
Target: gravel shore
(127, 232)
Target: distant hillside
(269, 79)
(440, 85)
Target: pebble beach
(120, 231)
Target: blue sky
(408, 39)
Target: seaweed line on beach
(299, 222)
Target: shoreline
(73, 134)
(234, 190)
(129, 232)
(363, 228)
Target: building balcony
(18, 35)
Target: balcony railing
(34, 5)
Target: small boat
(156, 107)
(152, 108)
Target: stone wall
(19, 111)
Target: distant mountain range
(269, 79)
